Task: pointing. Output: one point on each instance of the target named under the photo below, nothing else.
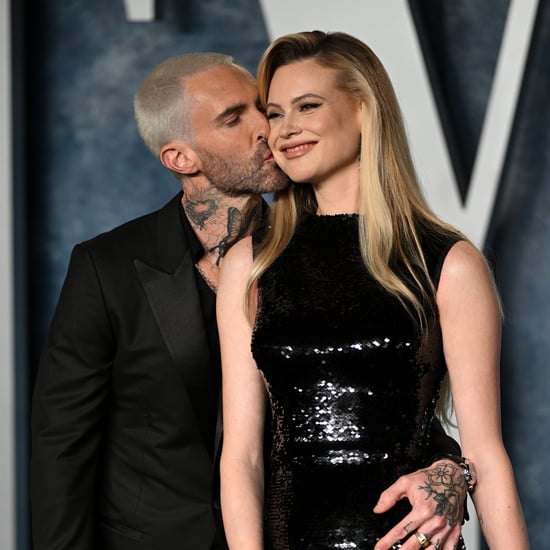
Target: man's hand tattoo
(406, 527)
(447, 489)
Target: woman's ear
(179, 157)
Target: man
(126, 424)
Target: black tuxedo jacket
(125, 419)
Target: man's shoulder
(138, 231)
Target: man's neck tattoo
(237, 228)
(199, 212)
(218, 233)
(233, 228)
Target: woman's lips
(298, 149)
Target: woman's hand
(437, 495)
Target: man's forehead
(221, 81)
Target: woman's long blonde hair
(391, 204)
(392, 208)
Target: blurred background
(72, 165)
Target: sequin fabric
(352, 386)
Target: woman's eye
(273, 115)
(309, 106)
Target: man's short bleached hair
(161, 106)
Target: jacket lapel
(174, 299)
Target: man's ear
(180, 157)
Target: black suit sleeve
(441, 443)
(68, 412)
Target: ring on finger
(422, 539)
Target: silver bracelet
(469, 474)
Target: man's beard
(237, 178)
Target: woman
(358, 301)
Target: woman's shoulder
(465, 273)
(241, 248)
(238, 260)
(436, 244)
(464, 259)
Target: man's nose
(263, 127)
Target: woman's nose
(289, 127)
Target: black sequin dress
(352, 385)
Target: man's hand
(437, 495)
